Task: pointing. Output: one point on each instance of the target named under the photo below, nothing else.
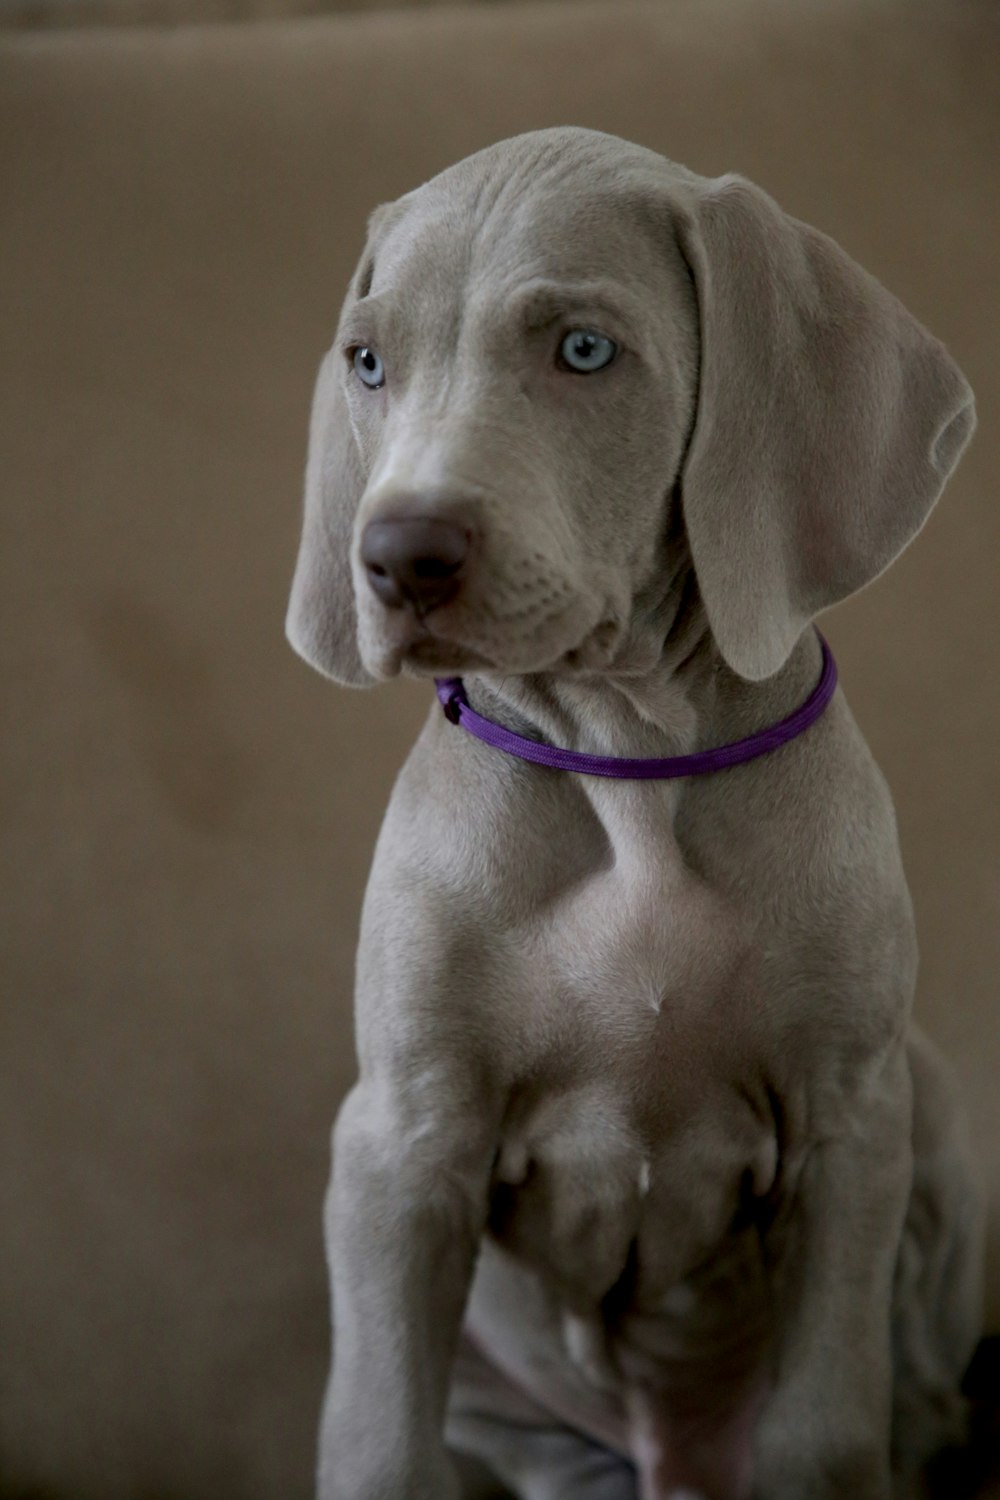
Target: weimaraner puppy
(648, 1185)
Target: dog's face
(519, 366)
(567, 368)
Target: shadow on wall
(43, 14)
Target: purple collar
(457, 709)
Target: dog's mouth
(432, 646)
(420, 645)
(437, 656)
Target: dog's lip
(446, 649)
(423, 645)
(420, 632)
(430, 644)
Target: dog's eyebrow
(361, 322)
(541, 302)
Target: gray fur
(640, 1105)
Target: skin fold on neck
(683, 699)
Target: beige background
(188, 813)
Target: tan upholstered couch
(188, 812)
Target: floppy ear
(828, 422)
(322, 621)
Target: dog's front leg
(405, 1210)
(825, 1434)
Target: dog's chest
(633, 1129)
(636, 1140)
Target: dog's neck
(671, 694)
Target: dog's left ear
(827, 424)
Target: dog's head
(566, 368)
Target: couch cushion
(188, 811)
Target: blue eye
(585, 350)
(369, 367)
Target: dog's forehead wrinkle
(562, 202)
(555, 161)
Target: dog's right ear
(322, 622)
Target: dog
(648, 1187)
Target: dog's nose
(417, 559)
